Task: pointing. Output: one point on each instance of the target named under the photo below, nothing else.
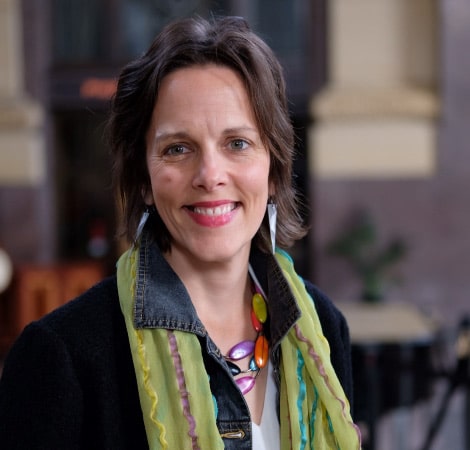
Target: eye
(176, 150)
(238, 144)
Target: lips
(212, 215)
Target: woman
(206, 338)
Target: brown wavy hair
(226, 41)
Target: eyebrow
(164, 135)
(236, 130)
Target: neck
(221, 293)
(218, 286)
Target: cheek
(166, 183)
(256, 177)
(159, 174)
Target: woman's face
(207, 164)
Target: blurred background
(379, 94)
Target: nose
(210, 170)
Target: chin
(218, 253)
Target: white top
(266, 435)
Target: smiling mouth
(215, 211)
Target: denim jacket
(163, 302)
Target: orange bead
(261, 351)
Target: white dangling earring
(140, 227)
(272, 218)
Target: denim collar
(162, 301)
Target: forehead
(208, 90)
(197, 77)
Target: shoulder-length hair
(226, 41)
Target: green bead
(260, 307)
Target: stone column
(22, 148)
(376, 117)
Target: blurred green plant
(358, 244)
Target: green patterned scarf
(314, 411)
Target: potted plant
(358, 245)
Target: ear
(147, 195)
(271, 190)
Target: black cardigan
(69, 382)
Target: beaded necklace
(257, 349)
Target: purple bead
(245, 384)
(241, 350)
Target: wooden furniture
(38, 289)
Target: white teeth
(217, 211)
